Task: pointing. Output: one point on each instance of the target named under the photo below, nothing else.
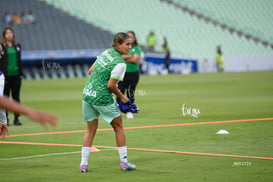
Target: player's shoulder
(116, 56)
(112, 52)
(136, 49)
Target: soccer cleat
(83, 168)
(127, 166)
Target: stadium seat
(187, 35)
(68, 24)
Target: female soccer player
(108, 69)
(131, 77)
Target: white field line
(45, 155)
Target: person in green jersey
(131, 77)
(108, 69)
(219, 59)
(11, 66)
(151, 40)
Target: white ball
(194, 115)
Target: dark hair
(119, 38)
(219, 51)
(135, 42)
(3, 40)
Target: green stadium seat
(187, 34)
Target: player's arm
(112, 86)
(131, 58)
(91, 68)
(117, 74)
(39, 117)
(7, 104)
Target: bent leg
(119, 132)
(121, 143)
(120, 139)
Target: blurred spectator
(16, 19)
(23, 17)
(151, 40)
(166, 50)
(11, 66)
(219, 59)
(8, 18)
(30, 18)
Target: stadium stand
(250, 16)
(85, 24)
(188, 35)
(193, 27)
(55, 29)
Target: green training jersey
(108, 65)
(133, 67)
(13, 68)
(219, 59)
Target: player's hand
(127, 107)
(132, 107)
(124, 99)
(4, 131)
(43, 118)
(122, 106)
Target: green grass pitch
(218, 97)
